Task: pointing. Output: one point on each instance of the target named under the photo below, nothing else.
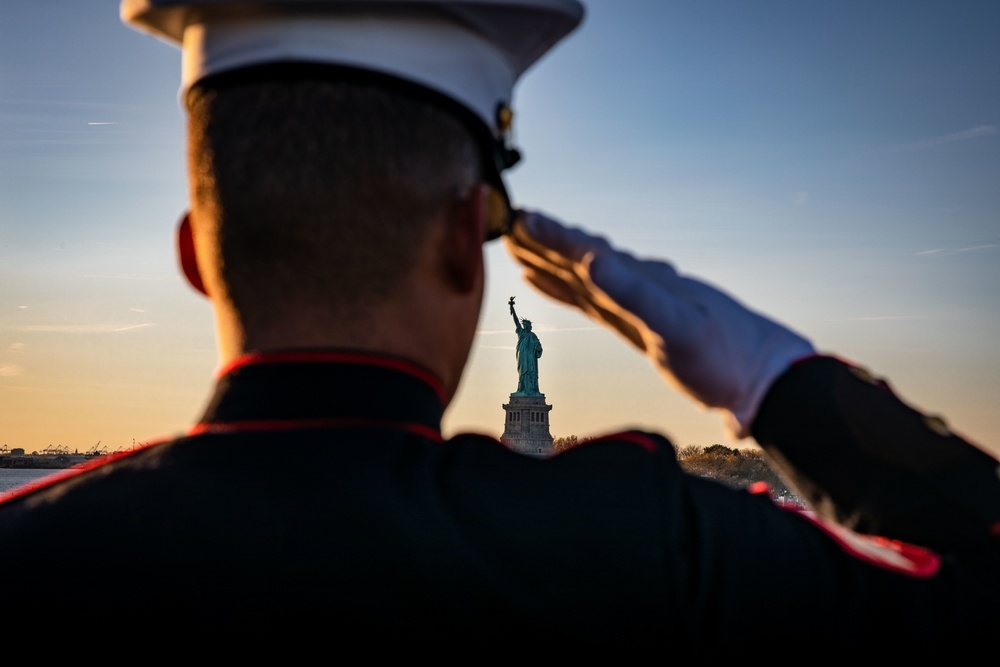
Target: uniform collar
(305, 388)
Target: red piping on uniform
(256, 358)
(296, 424)
(921, 563)
(47, 480)
(66, 473)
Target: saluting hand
(705, 343)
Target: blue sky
(833, 164)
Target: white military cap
(468, 53)
(472, 51)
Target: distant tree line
(736, 468)
(562, 444)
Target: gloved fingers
(558, 243)
(621, 323)
(562, 282)
(566, 260)
(650, 291)
(571, 245)
(705, 343)
(530, 255)
(553, 287)
(564, 255)
(664, 305)
(572, 288)
(575, 293)
(657, 271)
(525, 249)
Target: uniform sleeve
(865, 459)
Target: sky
(835, 165)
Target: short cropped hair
(321, 190)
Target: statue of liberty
(529, 349)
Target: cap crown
(472, 51)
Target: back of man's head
(318, 190)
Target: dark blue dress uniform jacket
(318, 494)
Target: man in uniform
(345, 169)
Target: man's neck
(435, 333)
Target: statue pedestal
(526, 429)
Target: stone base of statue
(526, 429)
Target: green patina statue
(529, 349)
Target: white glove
(707, 345)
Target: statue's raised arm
(517, 322)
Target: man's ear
(186, 254)
(465, 230)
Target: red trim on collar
(331, 356)
(297, 424)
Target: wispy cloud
(132, 327)
(125, 276)
(878, 318)
(10, 370)
(945, 252)
(77, 328)
(973, 133)
(538, 329)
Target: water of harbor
(12, 478)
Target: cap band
(429, 50)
